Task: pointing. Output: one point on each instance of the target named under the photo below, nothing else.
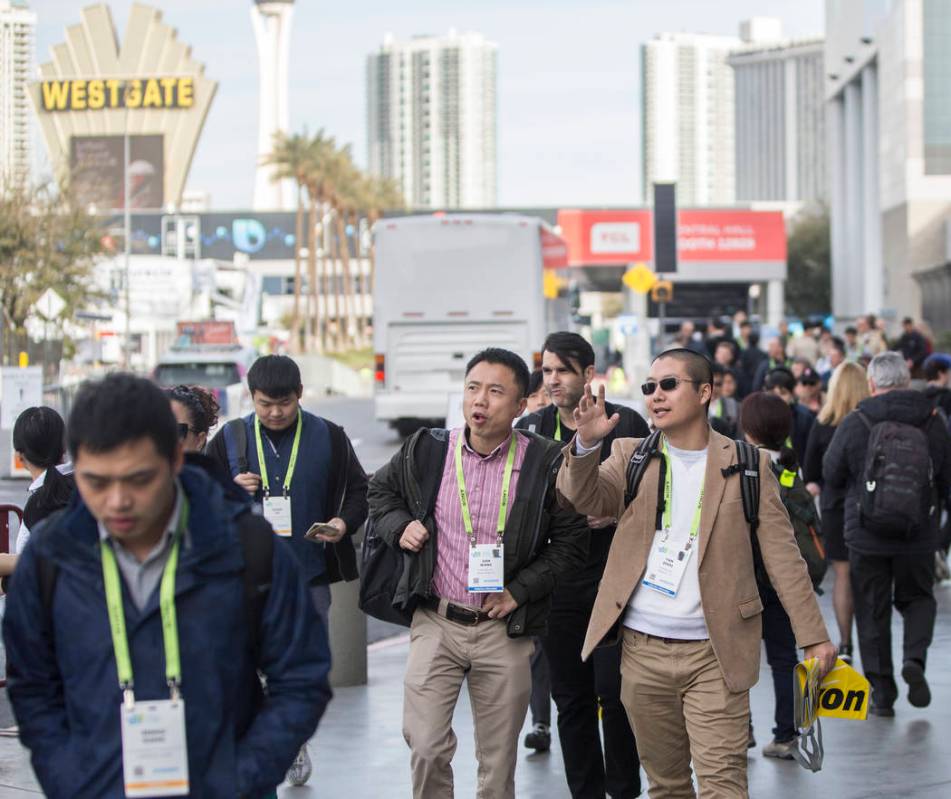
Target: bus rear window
(209, 375)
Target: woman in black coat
(847, 387)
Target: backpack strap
(236, 444)
(747, 466)
(257, 546)
(636, 467)
(865, 420)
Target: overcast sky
(568, 81)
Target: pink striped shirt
(484, 485)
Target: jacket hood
(901, 405)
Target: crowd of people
(557, 546)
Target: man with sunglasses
(679, 589)
(585, 691)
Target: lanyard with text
(120, 643)
(291, 464)
(486, 561)
(667, 562)
(557, 425)
(154, 751)
(668, 502)
(277, 510)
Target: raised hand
(591, 420)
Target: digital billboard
(97, 174)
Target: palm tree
(344, 178)
(289, 157)
(320, 150)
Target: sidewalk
(359, 752)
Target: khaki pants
(681, 710)
(442, 654)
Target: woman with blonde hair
(847, 388)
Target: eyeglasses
(666, 384)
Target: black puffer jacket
(542, 540)
(844, 463)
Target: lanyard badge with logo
(486, 561)
(154, 753)
(277, 510)
(668, 559)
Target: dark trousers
(878, 581)
(541, 687)
(579, 689)
(782, 656)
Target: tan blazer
(728, 592)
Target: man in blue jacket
(133, 632)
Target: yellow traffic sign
(639, 278)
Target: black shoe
(883, 711)
(539, 738)
(913, 673)
(750, 740)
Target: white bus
(447, 287)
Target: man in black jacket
(901, 565)
(582, 689)
(300, 469)
(484, 542)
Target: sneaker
(539, 738)
(913, 673)
(300, 771)
(845, 653)
(882, 711)
(750, 740)
(783, 750)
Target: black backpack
(896, 492)
(747, 466)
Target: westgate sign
(98, 88)
(107, 93)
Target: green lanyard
(463, 494)
(557, 425)
(291, 464)
(668, 503)
(120, 643)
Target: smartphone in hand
(320, 528)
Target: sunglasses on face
(183, 431)
(666, 384)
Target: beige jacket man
(729, 594)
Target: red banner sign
(597, 238)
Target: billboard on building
(711, 244)
(97, 171)
(150, 88)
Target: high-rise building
(687, 111)
(780, 122)
(17, 31)
(272, 31)
(889, 157)
(431, 119)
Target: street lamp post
(127, 353)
